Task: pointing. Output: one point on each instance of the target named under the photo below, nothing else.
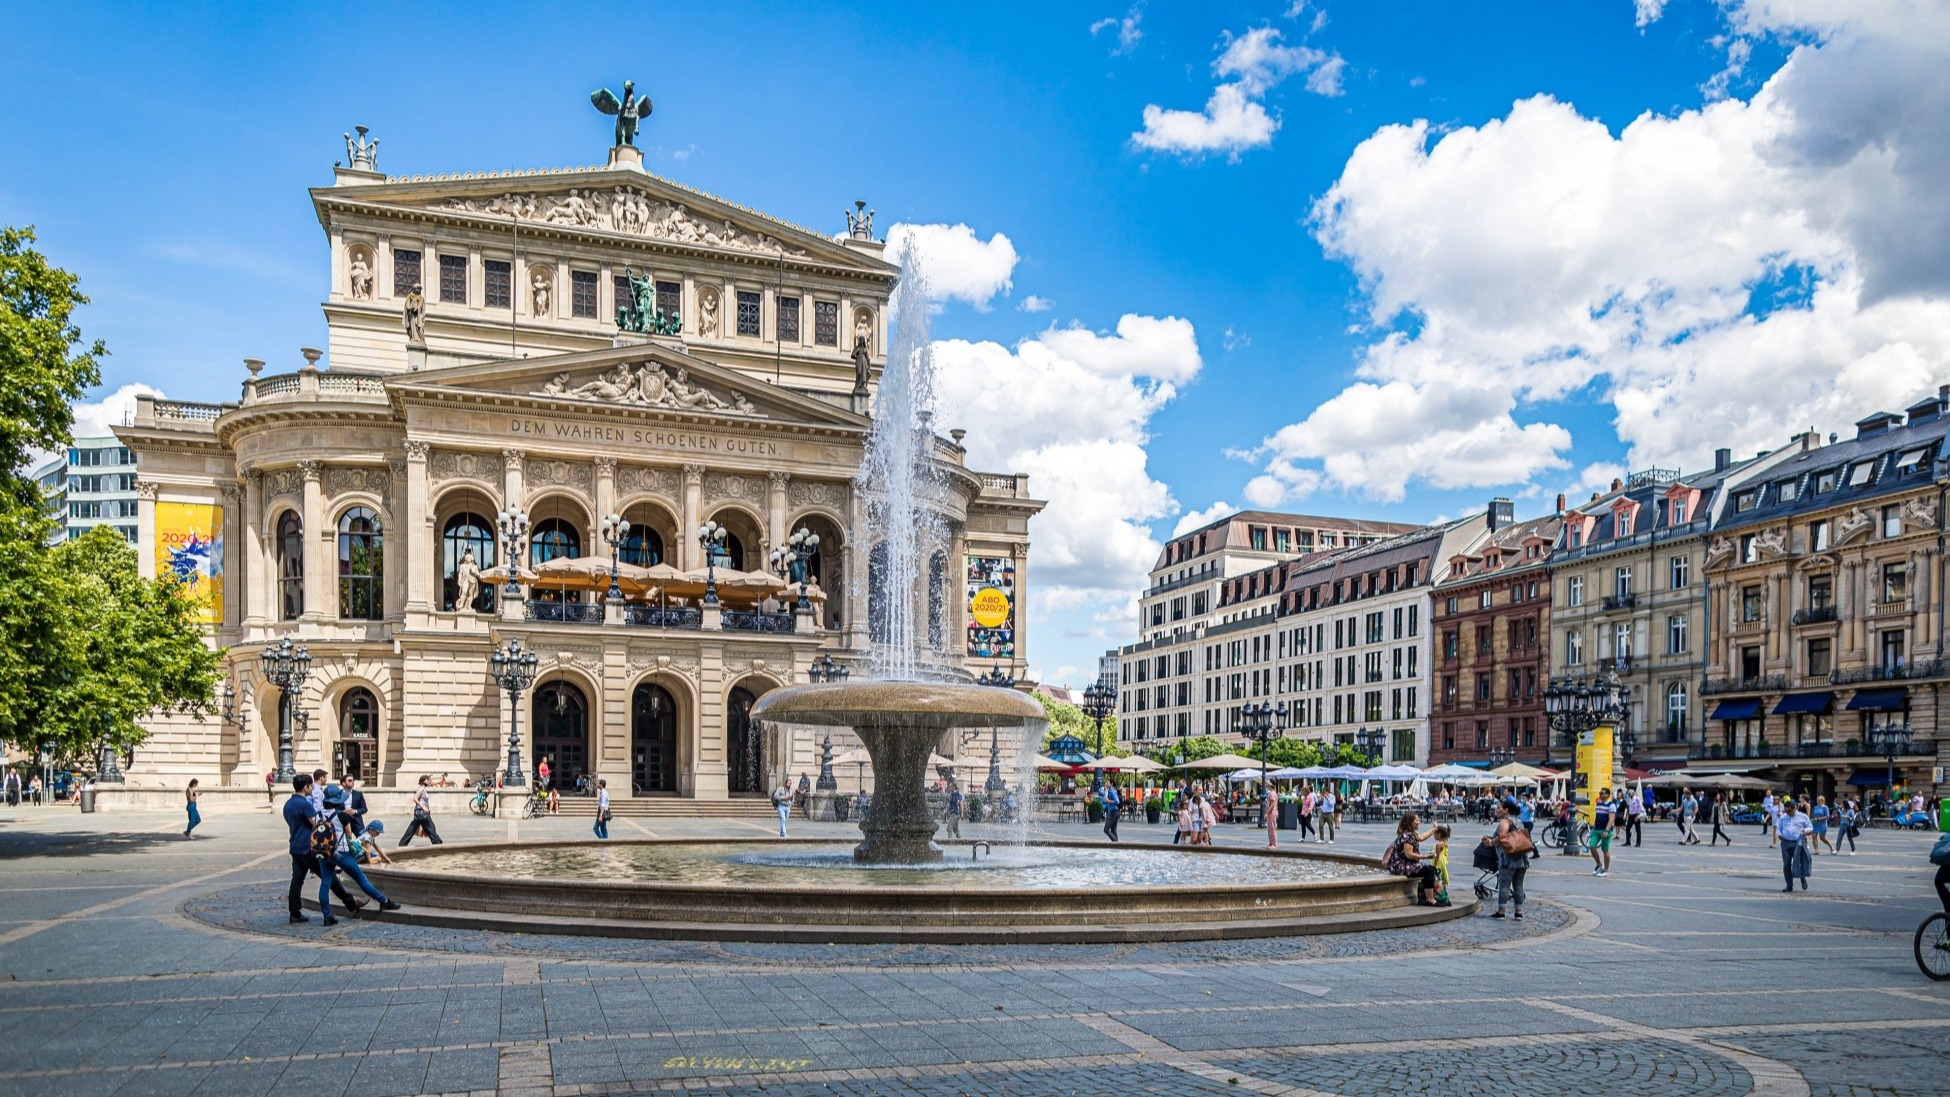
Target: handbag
(1516, 843)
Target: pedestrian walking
(1527, 818)
(952, 813)
(11, 785)
(1329, 816)
(271, 786)
(782, 803)
(1791, 831)
(802, 796)
(347, 850)
(1820, 817)
(1305, 811)
(1113, 806)
(1721, 817)
(1847, 825)
(602, 809)
(1770, 812)
(302, 818)
(1634, 818)
(1600, 840)
(355, 801)
(189, 796)
(422, 814)
(1688, 815)
(1514, 850)
(1208, 817)
(1269, 815)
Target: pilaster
(236, 548)
(257, 577)
(418, 531)
(397, 536)
(145, 529)
(693, 516)
(317, 537)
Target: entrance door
(358, 746)
(653, 739)
(744, 744)
(561, 727)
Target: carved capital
(513, 459)
(417, 450)
(606, 466)
(693, 475)
(310, 470)
(397, 466)
(145, 490)
(232, 491)
(780, 478)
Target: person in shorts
(1603, 810)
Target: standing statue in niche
(467, 581)
(640, 313)
(628, 110)
(540, 292)
(862, 365)
(361, 274)
(707, 314)
(416, 317)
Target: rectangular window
(1752, 603)
(826, 323)
(497, 285)
(1622, 581)
(1859, 474)
(1681, 572)
(1403, 744)
(1818, 536)
(749, 303)
(406, 271)
(1282, 540)
(1746, 501)
(1749, 548)
(1895, 582)
(788, 320)
(1482, 735)
(1412, 653)
(1821, 657)
(1821, 592)
(1749, 664)
(1574, 648)
(1679, 512)
(1258, 534)
(1676, 628)
(1786, 491)
(1414, 622)
(1892, 521)
(1574, 590)
(1911, 460)
(1825, 481)
(670, 298)
(582, 294)
(1892, 649)
(453, 279)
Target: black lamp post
(285, 666)
(1099, 701)
(1000, 680)
(1261, 723)
(1574, 706)
(789, 562)
(824, 669)
(1889, 739)
(1370, 740)
(514, 534)
(711, 537)
(616, 531)
(514, 670)
(1501, 756)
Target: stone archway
(748, 761)
(560, 730)
(655, 766)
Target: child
(1441, 866)
(374, 855)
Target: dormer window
(1825, 481)
(1679, 512)
(1859, 473)
(1911, 460)
(1746, 501)
(1787, 491)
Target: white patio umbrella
(1223, 761)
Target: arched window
(362, 576)
(465, 533)
(643, 547)
(291, 567)
(732, 555)
(553, 538)
(744, 744)
(561, 732)
(879, 622)
(1676, 708)
(357, 753)
(938, 600)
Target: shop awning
(1796, 704)
(1878, 700)
(1737, 710)
(1869, 778)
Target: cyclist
(1942, 878)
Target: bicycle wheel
(1933, 947)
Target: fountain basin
(1270, 893)
(900, 724)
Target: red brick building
(1492, 652)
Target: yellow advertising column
(1594, 769)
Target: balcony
(1765, 683)
(1620, 601)
(663, 616)
(1742, 625)
(1622, 664)
(1886, 609)
(1717, 752)
(1891, 672)
(564, 613)
(1816, 616)
(742, 620)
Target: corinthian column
(417, 523)
(775, 511)
(693, 515)
(318, 537)
(257, 573)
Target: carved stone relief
(631, 479)
(567, 474)
(665, 664)
(452, 465)
(283, 482)
(626, 210)
(723, 485)
(341, 480)
(816, 493)
(651, 384)
(1920, 512)
(707, 312)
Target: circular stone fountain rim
(403, 857)
(850, 703)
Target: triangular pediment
(614, 203)
(652, 378)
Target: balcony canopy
(1805, 704)
(1745, 709)
(1879, 700)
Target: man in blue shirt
(300, 815)
(1791, 830)
(1112, 804)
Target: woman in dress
(1405, 858)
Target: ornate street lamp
(1262, 723)
(514, 535)
(789, 562)
(285, 666)
(1370, 740)
(711, 536)
(1500, 756)
(1889, 739)
(1573, 706)
(616, 530)
(514, 670)
(1099, 701)
(999, 679)
(824, 669)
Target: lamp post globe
(513, 668)
(285, 665)
(711, 537)
(1099, 700)
(616, 533)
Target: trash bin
(1943, 815)
(87, 801)
(1289, 815)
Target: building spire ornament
(628, 110)
(859, 221)
(361, 154)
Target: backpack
(324, 840)
(1940, 853)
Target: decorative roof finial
(859, 221)
(628, 110)
(363, 155)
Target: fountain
(894, 884)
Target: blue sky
(1560, 240)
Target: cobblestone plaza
(140, 964)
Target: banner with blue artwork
(189, 545)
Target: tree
(1199, 746)
(42, 373)
(1287, 752)
(1068, 719)
(113, 648)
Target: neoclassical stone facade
(476, 366)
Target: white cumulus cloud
(957, 263)
(1126, 26)
(1719, 276)
(1234, 119)
(1033, 303)
(1193, 519)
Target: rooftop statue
(628, 111)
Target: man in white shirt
(1792, 830)
(1328, 806)
(1770, 810)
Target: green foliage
(1287, 752)
(1191, 750)
(1347, 754)
(1068, 719)
(41, 372)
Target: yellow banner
(1594, 769)
(189, 545)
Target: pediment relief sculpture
(1857, 523)
(1920, 512)
(626, 210)
(1718, 547)
(1773, 542)
(651, 384)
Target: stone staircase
(669, 807)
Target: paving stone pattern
(141, 964)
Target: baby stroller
(1484, 859)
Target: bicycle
(479, 803)
(1554, 835)
(535, 806)
(1933, 946)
